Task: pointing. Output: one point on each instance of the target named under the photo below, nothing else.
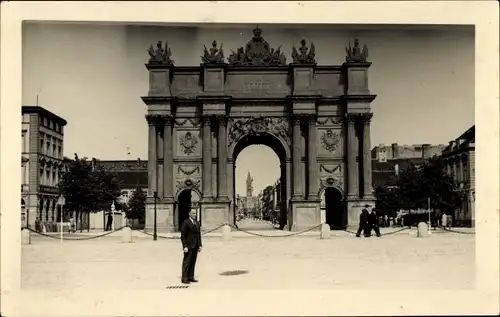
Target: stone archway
(198, 115)
(253, 135)
(333, 205)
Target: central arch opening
(260, 195)
(333, 205)
(187, 200)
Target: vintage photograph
(248, 158)
(223, 153)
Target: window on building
(51, 124)
(48, 148)
(47, 174)
(54, 178)
(59, 154)
(45, 122)
(42, 177)
(54, 151)
(42, 150)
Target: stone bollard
(422, 230)
(226, 232)
(25, 236)
(325, 231)
(127, 235)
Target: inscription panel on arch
(251, 84)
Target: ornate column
(296, 158)
(312, 159)
(222, 158)
(352, 167)
(168, 163)
(207, 159)
(152, 155)
(367, 158)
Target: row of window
(49, 176)
(50, 124)
(50, 146)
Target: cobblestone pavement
(305, 262)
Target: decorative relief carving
(257, 53)
(304, 57)
(366, 117)
(160, 55)
(214, 55)
(188, 142)
(256, 126)
(182, 122)
(186, 170)
(153, 119)
(331, 181)
(336, 168)
(330, 140)
(329, 120)
(188, 183)
(355, 54)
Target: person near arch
(364, 224)
(191, 244)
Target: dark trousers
(188, 264)
(364, 228)
(376, 229)
(108, 226)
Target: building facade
(316, 118)
(460, 158)
(42, 164)
(387, 160)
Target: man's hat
(367, 206)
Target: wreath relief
(330, 140)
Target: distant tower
(249, 185)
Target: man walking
(373, 223)
(191, 244)
(363, 222)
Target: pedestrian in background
(363, 222)
(373, 223)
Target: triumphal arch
(316, 118)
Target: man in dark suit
(363, 222)
(191, 244)
(373, 223)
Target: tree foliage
(88, 187)
(416, 185)
(136, 208)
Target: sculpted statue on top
(214, 55)
(306, 55)
(355, 53)
(257, 52)
(160, 55)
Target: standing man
(109, 222)
(363, 222)
(373, 223)
(191, 244)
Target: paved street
(398, 261)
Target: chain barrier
(382, 234)
(173, 237)
(279, 236)
(456, 231)
(66, 237)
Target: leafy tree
(87, 187)
(137, 205)
(417, 184)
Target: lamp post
(155, 236)
(61, 201)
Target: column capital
(351, 117)
(207, 120)
(296, 118)
(152, 119)
(311, 119)
(366, 117)
(167, 120)
(222, 120)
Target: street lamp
(155, 236)
(61, 201)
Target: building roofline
(43, 111)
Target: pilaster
(222, 159)
(296, 159)
(152, 154)
(367, 161)
(312, 160)
(352, 166)
(207, 159)
(167, 158)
